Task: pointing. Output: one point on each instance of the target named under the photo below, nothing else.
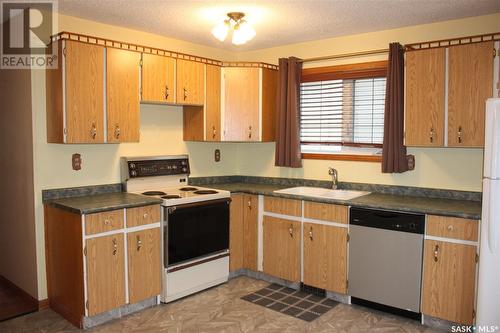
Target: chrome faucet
(335, 177)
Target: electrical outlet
(76, 161)
(217, 155)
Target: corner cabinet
(446, 92)
(249, 103)
(103, 261)
(93, 86)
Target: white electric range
(195, 223)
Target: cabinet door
(325, 257)
(144, 264)
(105, 273)
(449, 281)
(122, 82)
(241, 104)
(281, 248)
(250, 231)
(158, 79)
(190, 82)
(425, 95)
(84, 75)
(212, 106)
(470, 83)
(236, 232)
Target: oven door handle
(171, 209)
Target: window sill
(342, 157)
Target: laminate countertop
(102, 202)
(424, 205)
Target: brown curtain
(394, 158)
(288, 114)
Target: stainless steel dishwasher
(385, 260)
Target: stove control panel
(158, 167)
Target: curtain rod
(345, 55)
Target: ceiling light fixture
(242, 31)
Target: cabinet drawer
(452, 227)
(104, 221)
(143, 215)
(283, 206)
(326, 212)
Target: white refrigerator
(488, 295)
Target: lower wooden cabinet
(243, 232)
(449, 281)
(105, 273)
(281, 248)
(325, 257)
(144, 264)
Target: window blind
(342, 112)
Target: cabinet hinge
(348, 237)
(474, 314)
(494, 53)
(64, 51)
(477, 257)
(85, 251)
(347, 284)
(87, 304)
(65, 130)
(140, 62)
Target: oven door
(196, 230)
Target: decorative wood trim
(65, 35)
(342, 157)
(349, 71)
(453, 41)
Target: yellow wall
(459, 169)
(161, 126)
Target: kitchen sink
(319, 192)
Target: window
(342, 109)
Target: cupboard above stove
(94, 95)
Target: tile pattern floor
(220, 309)
(295, 303)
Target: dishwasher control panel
(397, 221)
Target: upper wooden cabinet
(122, 87)
(158, 78)
(84, 94)
(470, 83)
(212, 105)
(75, 94)
(425, 97)
(446, 95)
(190, 82)
(249, 103)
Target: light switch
(217, 155)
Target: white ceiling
(276, 22)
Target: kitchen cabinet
(243, 232)
(101, 261)
(249, 103)
(157, 78)
(325, 257)
(122, 88)
(283, 206)
(425, 97)
(470, 83)
(105, 273)
(75, 94)
(190, 82)
(281, 248)
(449, 281)
(144, 264)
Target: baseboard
(21, 292)
(43, 304)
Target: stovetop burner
(154, 193)
(171, 196)
(205, 192)
(188, 188)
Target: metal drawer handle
(249, 132)
(249, 203)
(117, 131)
(450, 228)
(459, 134)
(167, 92)
(139, 243)
(436, 252)
(290, 230)
(431, 135)
(145, 215)
(115, 246)
(311, 234)
(185, 93)
(107, 222)
(214, 132)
